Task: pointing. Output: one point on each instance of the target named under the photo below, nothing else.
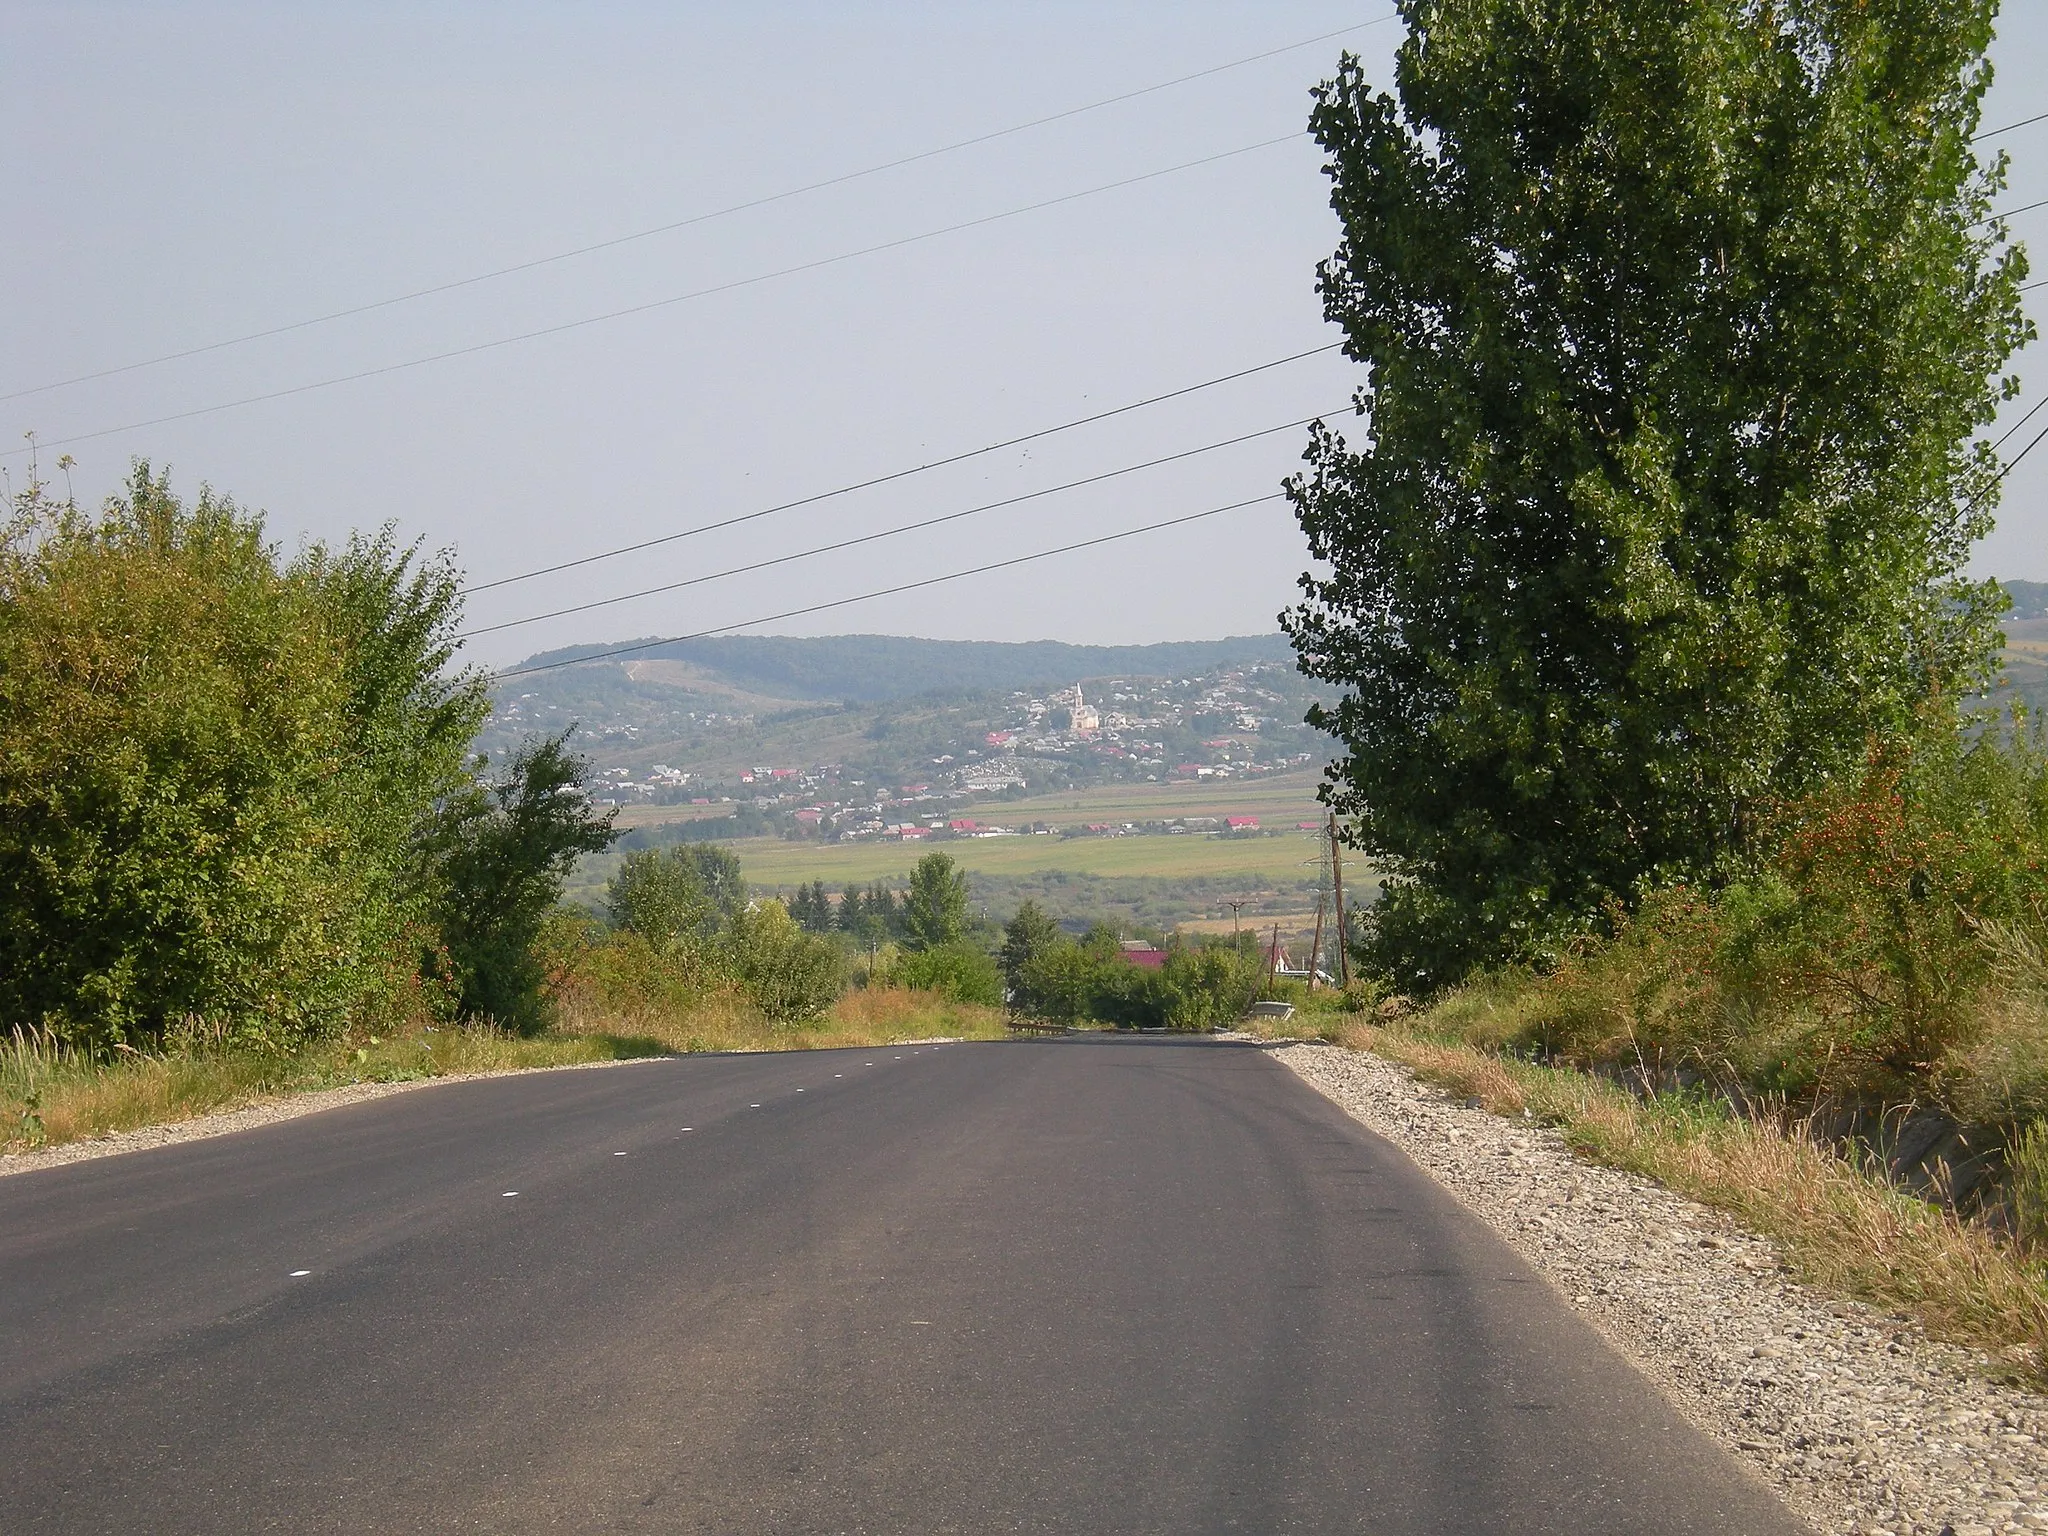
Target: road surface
(1087, 1285)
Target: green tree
(1679, 323)
(501, 853)
(935, 907)
(959, 971)
(215, 767)
(718, 868)
(812, 907)
(660, 895)
(791, 976)
(1025, 937)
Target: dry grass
(1844, 1227)
(48, 1095)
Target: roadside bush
(1200, 985)
(214, 768)
(792, 976)
(1887, 947)
(676, 896)
(499, 855)
(618, 971)
(958, 971)
(1206, 985)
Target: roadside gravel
(1860, 1422)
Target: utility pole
(1315, 945)
(1337, 879)
(1235, 908)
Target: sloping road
(1096, 1285)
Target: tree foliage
(215, 766)
(1679, 322)
(1201, 985)
(499, 857)
(791, 976)
(1027, 935)
(961, 971)
(677, 896)
(935, 906)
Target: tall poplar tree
(1681, 319)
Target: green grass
(1279, 801)
(774, 862)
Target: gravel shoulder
(1859, 1421)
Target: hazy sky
(183, 174)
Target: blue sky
(183, 173)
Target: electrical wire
(656, 304)
(1992, 133)
(908, 586)
(694, 219)
(2011, 464)
(889, 533)
(2006, 213)
(894, 475)
(2006, 436)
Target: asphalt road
(1093, 1285)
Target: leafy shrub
(213, 770)
(1199, 986)
(958, 971)
(499, 856)
(676, 896)
(1886, 945)
(791, 976)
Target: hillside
(870, 669)
(760, 723)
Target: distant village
(1232, 725)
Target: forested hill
(875, 668)
(2029, 599)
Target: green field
(773, 862)
(1278, 801)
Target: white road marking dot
(300, 1273)
(508, 1194)
(918, 1322)
(618, 1154)
(753, 1106)
(839, 1074)
(799, 1090)
(689, 1127)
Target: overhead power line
(692, 220)
(908, 586)
(2011, 464)
(2006, 213)
(890, 533)
(895, 475)
(2025, 122)
(656, 304)
(2007, 435)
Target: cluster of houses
(1117, 730)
